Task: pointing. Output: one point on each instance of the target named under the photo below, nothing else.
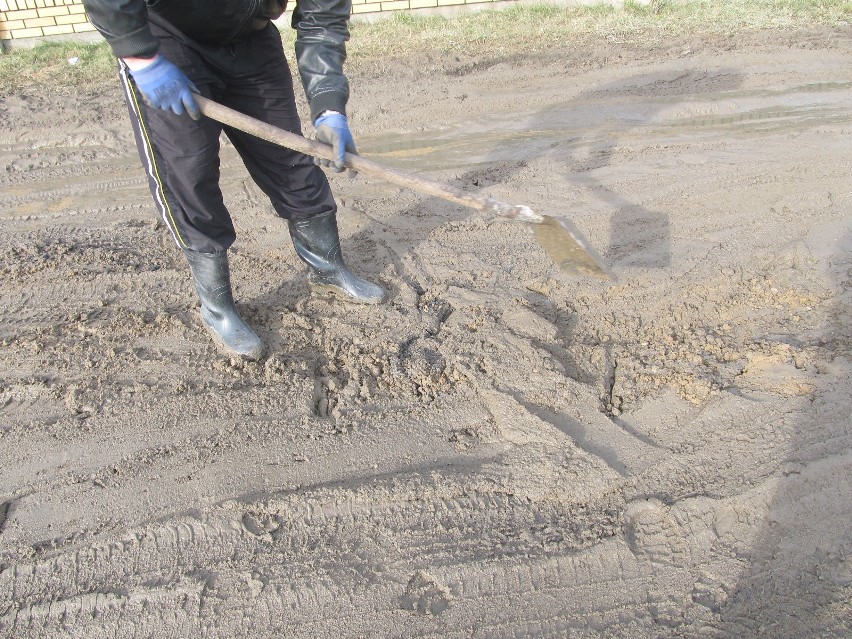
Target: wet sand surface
(499, 450)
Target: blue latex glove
(333, 128)
(165, 87)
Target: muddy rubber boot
(212, 279)
(317, 242)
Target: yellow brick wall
(373, 6)
(40, 18)
(43, 18)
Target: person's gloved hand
(333, 128)
(165, 87)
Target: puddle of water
(515, 136)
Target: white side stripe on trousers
(148, 150)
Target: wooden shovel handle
(299, 143)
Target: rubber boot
(317, 242)
(212, 279)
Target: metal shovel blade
(567, 247)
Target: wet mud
(500, 450)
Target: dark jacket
(322, 29)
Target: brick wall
(25, 20)
(372, 6)
(40, 18)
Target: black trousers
(181, 155)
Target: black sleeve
(124, 24)
(322, 30)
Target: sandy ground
(500, 450)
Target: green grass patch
(517, 29)
(50, 63)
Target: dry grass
(522, 29)
(517, 29)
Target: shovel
(559, 238)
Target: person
(230, 51)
